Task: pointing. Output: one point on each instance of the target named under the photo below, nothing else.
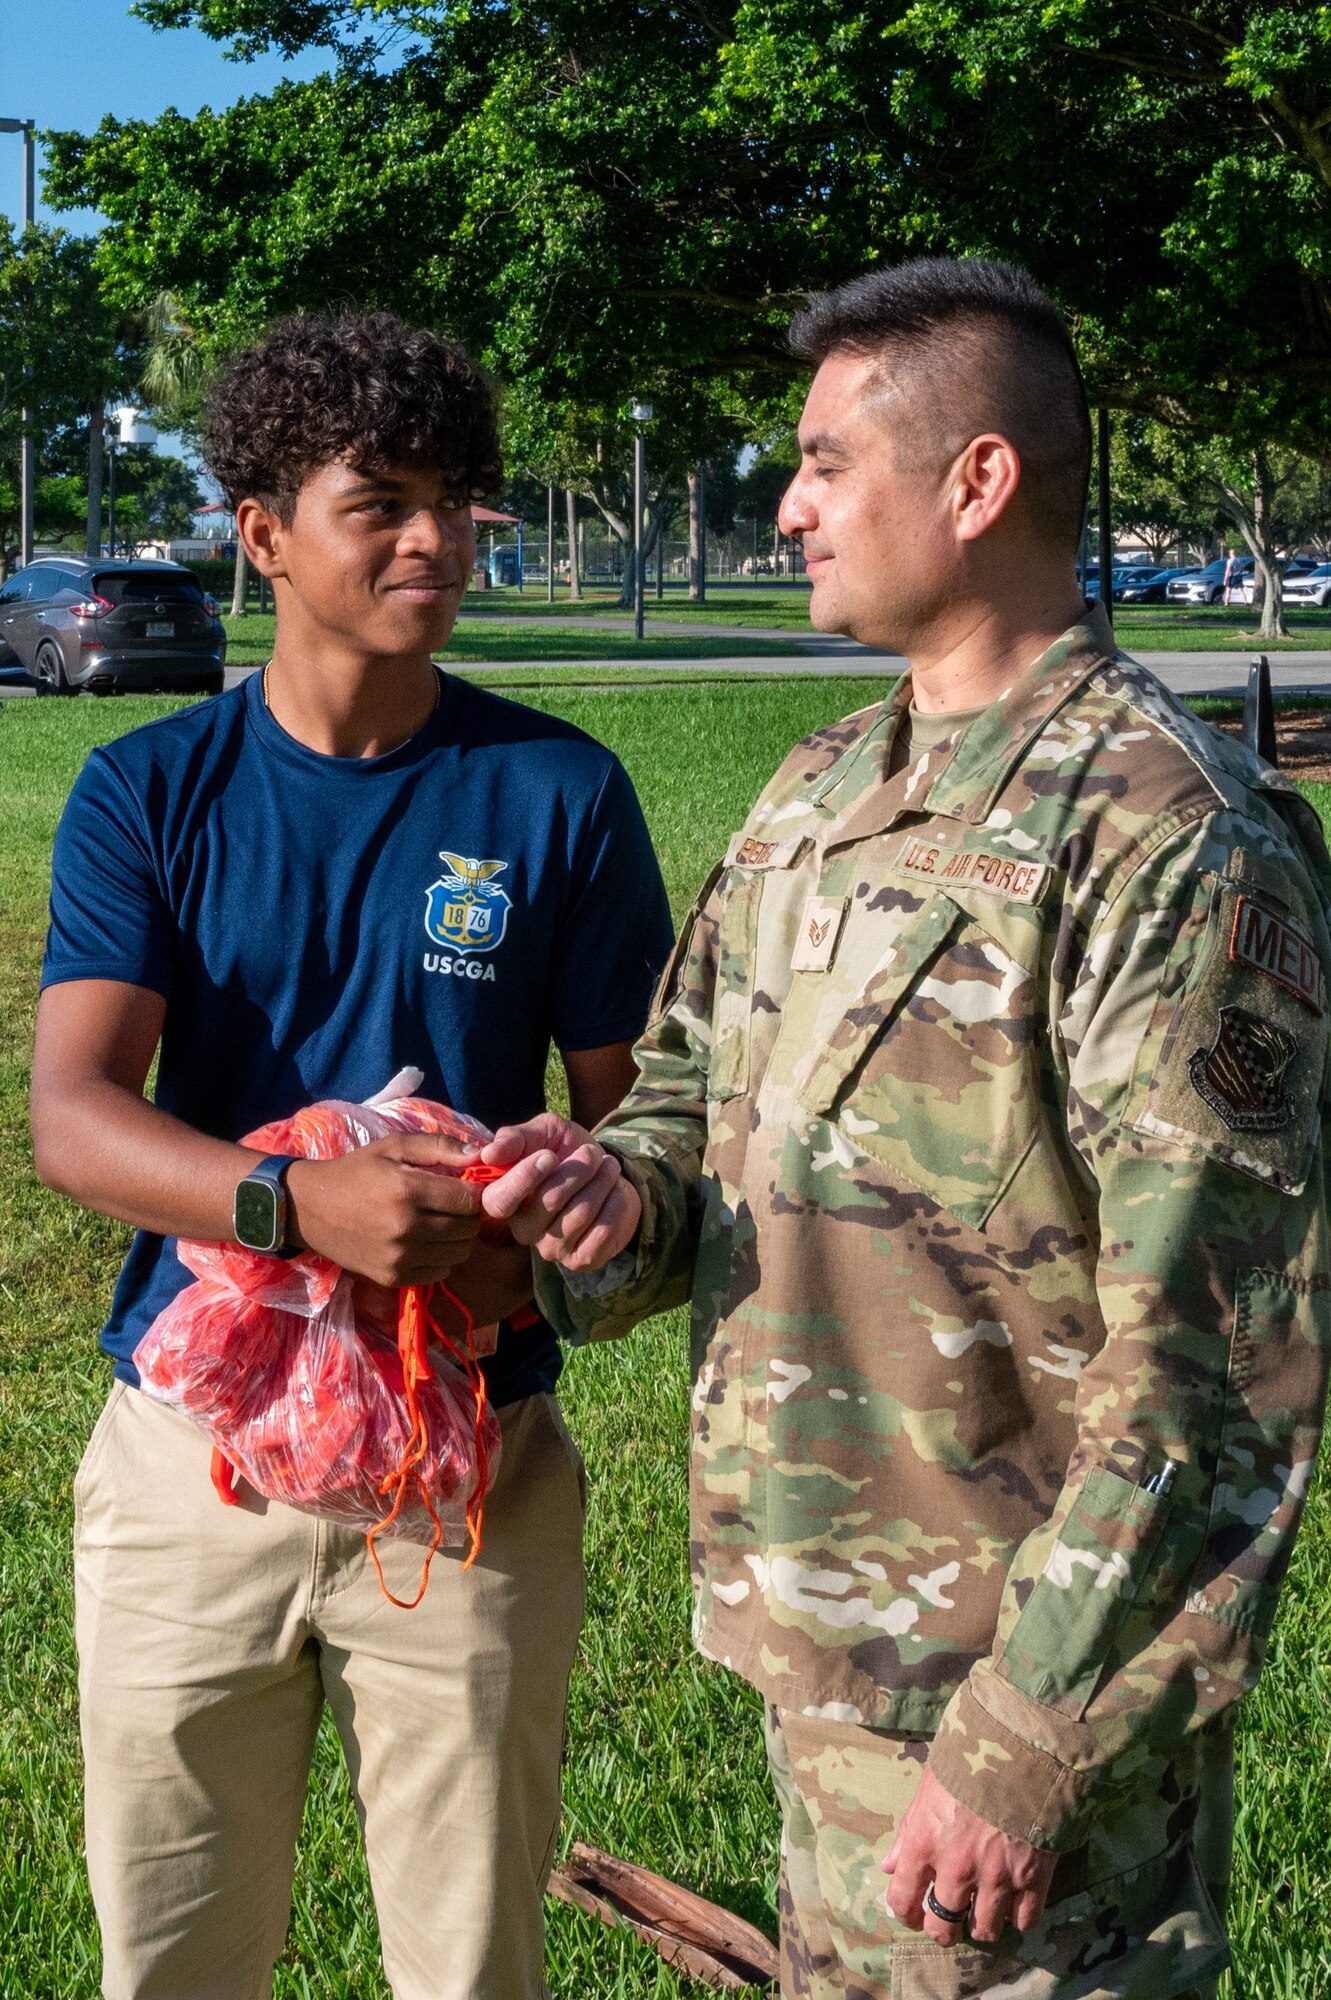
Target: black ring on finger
(940, 1910)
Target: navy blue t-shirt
(317, 923)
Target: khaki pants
(209, 1639)
(1133, 1915)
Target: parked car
(1132, 576)
(1123, 574)
(1151, 588)
(1207, 586)
(1311, 586)
(112, 627)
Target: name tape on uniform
(820, 927)
(1279, 950)
(746, 850)
(971, 868)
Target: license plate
(159, 629)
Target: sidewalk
(1186, 673)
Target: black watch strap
(259, 1217)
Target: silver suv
(112, 627)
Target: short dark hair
(363, 387)
(989, 350)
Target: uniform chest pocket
(929, 1071)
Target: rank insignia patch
(1242, 1075)
(820, 927)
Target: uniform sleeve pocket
(1274, 1397)
(1104, 1550)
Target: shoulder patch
(1280, 950)
(1238, 1060)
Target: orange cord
(414, 1320)
(415, 1323)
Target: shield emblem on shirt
(466, 909)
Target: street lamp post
(641, 414)
(131, 427)
(27, 456)
(549, 544)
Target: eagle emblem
(466, 909)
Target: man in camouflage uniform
(979, 1115)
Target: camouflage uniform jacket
(980, 1114)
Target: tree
(1158, 494)
(611, 196)
(552, 186)
(62, 349)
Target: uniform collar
(971, 775)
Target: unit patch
(816, 940)
(1242, 1075)
(1279, 950)
(971, 868)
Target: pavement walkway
(1292, 673)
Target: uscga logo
(466, 909)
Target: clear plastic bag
(325, 1393)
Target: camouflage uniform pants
(1133, 1915)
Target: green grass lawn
(502, 626)
(664, 1762)
(779, 608)
(785, 608)
(250, 641)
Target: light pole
(549, 544)
(641, 414)
(131, 428)
(27, 460)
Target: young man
(277, 894)
(981, 1115)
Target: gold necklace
(438, 690)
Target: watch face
(256, 1215)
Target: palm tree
(178, 369)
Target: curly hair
(361, 387)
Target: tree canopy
(596, 191)
(618, 198)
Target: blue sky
(70, 63)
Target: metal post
(519, 557)
(1106, 525)
(550, 544)
(27, 452)
(111, 497)
(1259, 713)
(639, 481)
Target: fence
(751, 549)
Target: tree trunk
(698, 535)
(96, 438)
(1252, 518)
(574, 563)
(241, 585)
(1273, 589)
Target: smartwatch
(259, 1214)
